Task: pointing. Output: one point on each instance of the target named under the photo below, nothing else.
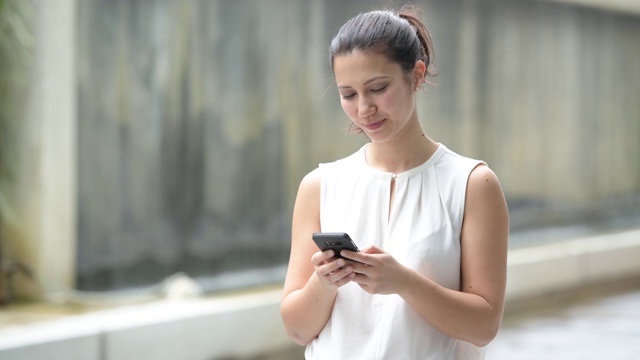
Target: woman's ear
(419, 71)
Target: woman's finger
(320, 257)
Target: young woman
(433, 225)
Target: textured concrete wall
(197, 119)
(546, 93)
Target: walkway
(599, 323)
(596, 323)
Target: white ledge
(561, 266)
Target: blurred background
(140, 140)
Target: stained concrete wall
(172, 135)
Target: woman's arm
(313, 277)
(474, 313)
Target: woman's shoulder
(484, 183)
(477, 177)
(452, 164)
(312, 178)
(310, 184)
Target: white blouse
(422, 232)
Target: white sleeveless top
(422, 232)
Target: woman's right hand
(332, 271)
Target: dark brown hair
(400, 36)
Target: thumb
(372, 249)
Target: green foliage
(16, 43)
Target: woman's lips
(374, 125)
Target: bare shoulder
(308, 197)
(483, 172)
(485, 210)
(311, 181)
(306, 211)
(484, 185)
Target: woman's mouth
(375, 125)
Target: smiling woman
(403, 45)
(433, 225)
(378, 96)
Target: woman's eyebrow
(366, 82)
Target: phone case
(334, 240)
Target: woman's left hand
(376, 271)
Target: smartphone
(336, 241)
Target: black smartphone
(337, 241)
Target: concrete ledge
(557, 267)
(46, 345)
(245, 326)
(203, 329)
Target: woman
(433, 225)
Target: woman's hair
(401, 36)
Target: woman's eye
(348, 96)
(379, 90)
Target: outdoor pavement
(594, 323)
(598, 322)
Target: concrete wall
(169, 107)
(199, 120)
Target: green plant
(16, 42)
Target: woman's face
(375, 94)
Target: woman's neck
(402, 154)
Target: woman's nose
(366, 107)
